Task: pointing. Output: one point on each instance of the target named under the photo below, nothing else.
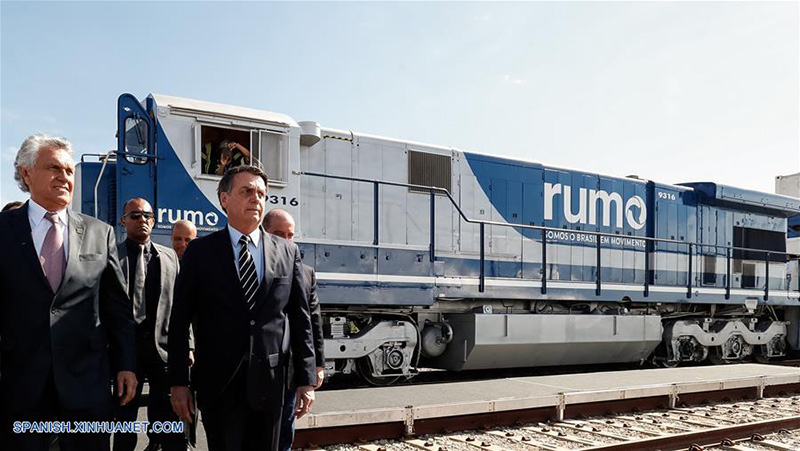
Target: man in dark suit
(62, 303)
(243, 291)
(280, 223)
(150, 270)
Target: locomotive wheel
(715, 355)
(669, 364)
(364, 370)
(660, 358)
(760, 354)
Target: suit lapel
(270, 258)
(162, 270)
(76, 232)
(22, 228)
(162, 267)
(269, 252)
(122, 254)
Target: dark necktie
(247, 273)
(138, 286)
(52, 255)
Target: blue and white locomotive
(431, 256)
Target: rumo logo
(587, 206)
(197, 217)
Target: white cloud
(513, 81)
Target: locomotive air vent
(428, 169)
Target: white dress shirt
(40, 226)
(255, 248)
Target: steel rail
(396, 429)
(703, 437)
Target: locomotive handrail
(99, 156)
(147, 156)
(432, 190)
(99, 177)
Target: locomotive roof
(730, 196)
(709, 192)
(487, 155)
(199, 106)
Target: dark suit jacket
(168, 263)
(310, 277)
(208, 295)
(67, 332)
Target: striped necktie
(247, 273)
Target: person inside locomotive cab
(231, 154)
(217, 141)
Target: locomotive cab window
(270, 149)
(135, 140)
(223, 148)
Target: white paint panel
(338, 193)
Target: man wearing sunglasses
(150, 270)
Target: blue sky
(671, 91)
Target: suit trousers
(287, 420)
(232, 425)
(50, 408)
(159, 408)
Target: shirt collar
(255, 236)
(36, 213)
(134, 245)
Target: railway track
(745, 425)
(340, 382)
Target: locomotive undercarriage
(385, 346)
(722, 339)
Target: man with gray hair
(62, 303)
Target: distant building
(789, 185)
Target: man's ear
(25, 176)
(223, 201)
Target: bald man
(150, 270)
(280, 223)
(183, 232)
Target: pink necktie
(52, 256)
